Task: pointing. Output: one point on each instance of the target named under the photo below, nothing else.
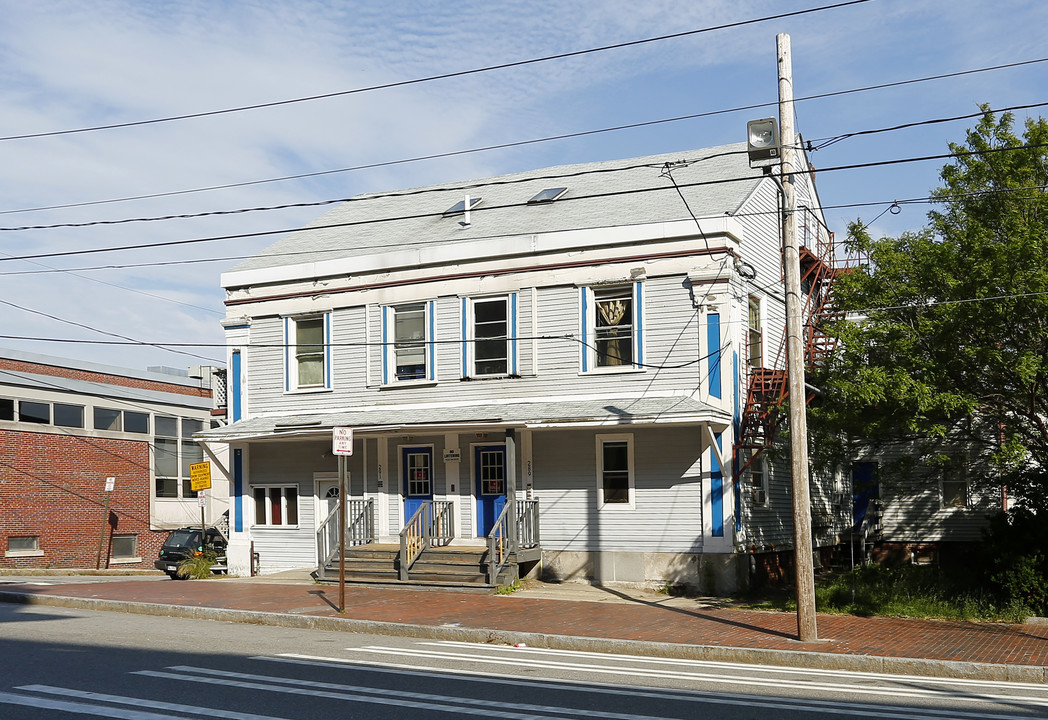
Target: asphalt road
(65, 663)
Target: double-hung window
(489, 339)
(407, 335)
(954, 484)
(758, 473)
(308, 356)
(174, 451)
(615, 470)
(612, 327)
(754, 336)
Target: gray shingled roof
(613, 411)
(613, 193)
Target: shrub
(198, 566)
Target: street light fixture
(762, 139)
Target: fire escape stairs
(768, 388)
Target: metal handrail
(432, 524)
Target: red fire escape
(767, 388)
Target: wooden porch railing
(502, 543)
(432, 524)
(360, 530)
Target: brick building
(66, 427)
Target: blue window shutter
(385, 348)
(513, 333)
(431, 348)
(713, 343)
(584, 346)
(234, 386)
(328, 370)
(289, 347)
(716, 492)
(465, 338)
(238, 490)
(638, 322)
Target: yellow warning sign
(200, 476)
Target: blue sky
(68, 65)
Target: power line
(267, 233)
(431, 78)
(925, 200)
(103, 332)
(519, 143)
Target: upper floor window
(407, 336)
(754, 336)
(757, 475)
(308, 360)
(174, 451)
(612, 327)
(489, 347)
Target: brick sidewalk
(637, 620)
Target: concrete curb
(789, 658)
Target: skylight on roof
(547, 195)
(460, 206)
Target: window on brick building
(174, 450)
(125, 547)
(106, 419)
(7, 409)
(135, 422)
(34, 412)
(23, 545)
(69, 415)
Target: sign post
(199, 482)
(110, 485)
(342, 446)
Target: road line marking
(43, 703)
(154, 704)
(742, 666)
(810, 705)
(721, 679)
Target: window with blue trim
(407, 335)
(489, 339)
(612, 329)
(308, 359)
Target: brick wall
(74, 374)
(53, 486)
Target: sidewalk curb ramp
(788, 658)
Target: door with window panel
(417, 468)
(489, 471)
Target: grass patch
(908, 591)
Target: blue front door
(489, 471)
(417, 467)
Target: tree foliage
(948, 326)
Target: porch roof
(587, 412)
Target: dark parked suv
(185, 543)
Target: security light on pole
(762, 139)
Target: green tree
(948, 326)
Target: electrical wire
(442, 76)
(482, 209)
(104, 332)
(519, 143)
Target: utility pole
(802, 546)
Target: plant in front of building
(198, 565)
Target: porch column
(511, 487)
